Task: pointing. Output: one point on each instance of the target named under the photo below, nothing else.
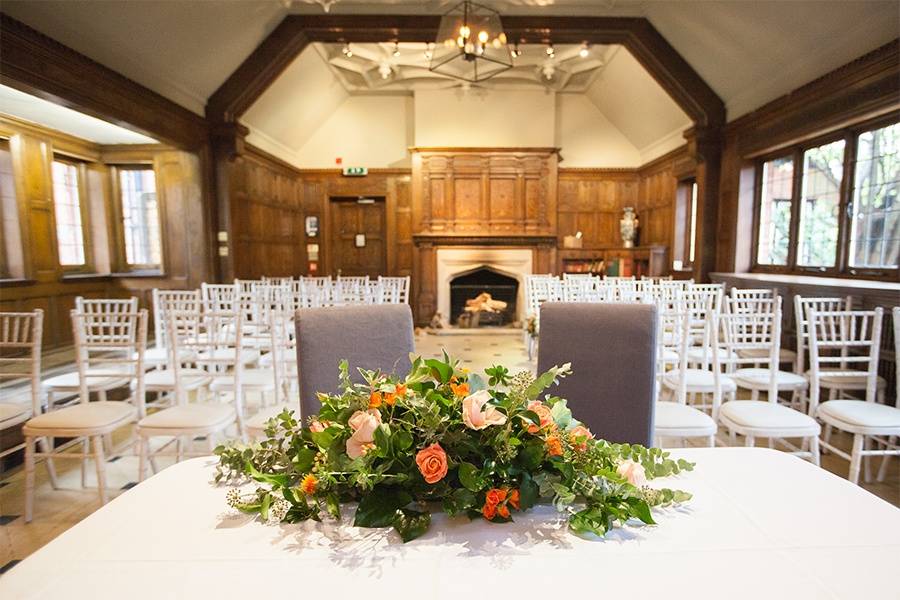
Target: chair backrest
(219, 297)
(166, 300)
(680, 325)
(745, 330)
(349, 290)
(110, 345)
(368, 337)
(106, 305)
(20, 350)
(841, 339)
(802, 306)
(395, 290)
(612, 348)
(540, 289)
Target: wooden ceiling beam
(38, 65)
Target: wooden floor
(57, 510)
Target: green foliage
(306, 472)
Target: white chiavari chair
(760, 330)
(371, 292)
(220, 300)
(158, 355)
(20, 358)
(395, 290)
(802, 306)
(106, 345)
(838, 341)
(184, 421)
(655, 280)
(324, 288)
(675, 419)
(350, 290)
(750, 300)
(540, 289)
(895, 319)
(284, 362)
(278, 280)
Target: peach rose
(495, 496)
(363, 425)
(633, 472)
(579, 436)
(432, 462)
(543, 412)
(317, 426)
(476, 416)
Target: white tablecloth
(762, 525)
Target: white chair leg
(100, 462)
(814, 450)
(29, 478)
(143, 446)
(867, 460)
(101, 395)
(179, 448)
(44, 443)
(827, 437)
(754, 395)
(85, 451)
(711, 441)
(882, 470)
(732, 437)
(855, 458)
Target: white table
(762, 525)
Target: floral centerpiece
(400, 446)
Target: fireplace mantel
(445, 239)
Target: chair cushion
(250, 378)
(165, 378)
(13, 412)
(289, 357)
(861, 414)
(92, 415)
(227, 354)
(189, 416)
(758, 415)
(675, 416)
(784, 354)
(845, 379)
(157, 356)
(696, 354)
(69, 381)
(257, 423)
(759, 378)
(699, 380)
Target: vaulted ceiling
(748, 52)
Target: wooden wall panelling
(591, 201)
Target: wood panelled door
(358, 236)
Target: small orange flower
(390, 398)
(308, 485)
(460, 389)
(514, 499)
(495, 496)
(400, 389)
(554, 446)
(503, 511)
(489, 511)
(375, 400)
(579, 437)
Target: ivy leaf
(333, 505)
(590, 520)
(304, 460)
(383, 439)
(440, 370)
(470, 477)
(531, 455)
(402, 440)
(379, 507)
(528, 492)
(410, 524)
(530, 417)
(638, 508)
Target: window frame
(796, 152)
(119, 252)
(86, 237)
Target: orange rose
(308, 485)
(400, 389)
(460, 389)
(514, 499)
(390, 398)
(541, 410)
(579, 437)
(432, 463)
(503, 511)
(495, 496)
(554, 446)
(375, 400)
(489, 511)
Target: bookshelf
(650, 261)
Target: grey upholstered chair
(370, 337)
(612, 348)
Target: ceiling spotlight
(516, 53)
(583, 53)
(384, 69)
(347, 51)
(550, 51)
(429, 50)
(396, 49)
(548, 71)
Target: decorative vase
(628, 226)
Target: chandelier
(471, 44)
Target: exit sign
(355, 171)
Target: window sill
(144, 273)
(84, 277)
(16, 281)
(809, 280)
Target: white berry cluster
(278, 510)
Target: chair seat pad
(860, 413)
(784, 355)
(760, 378)
(250, 378)
(93, 415)
(698, 354)
(759, 415)
(189, 416)
(69, 381)
(266, 359)
(846, 379)
(227, 354)
(190, 378)
(158, 355)
(12, 412)
(675, 416)
(699, 380)
(258, 421)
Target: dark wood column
(705, 147)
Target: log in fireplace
(484, 280)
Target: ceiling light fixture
(384, 69)
(471, 44)
(585, 50)
(347, 51)
(396, 49)
(515, 52)
(550, 51)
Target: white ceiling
(36, 110)
(749, 52)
